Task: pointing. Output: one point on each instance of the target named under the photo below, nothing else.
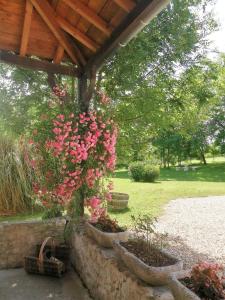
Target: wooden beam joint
(85, 90)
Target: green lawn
(151, 197)
(23, 217)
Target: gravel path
(196, 228)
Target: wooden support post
(82, 88)
(86, 86)
(85, 90)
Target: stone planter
(152, 275)
(105, 239)
(119, 201)
(179, 290)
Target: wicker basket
(61, 252)
(42, 264)
(119, 201)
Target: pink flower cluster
(84, 148)
(59, 92)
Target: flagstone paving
(15, 284)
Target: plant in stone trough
(146, 241)
(106, 224)
(144, 255)
(206, 281)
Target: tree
(142, 77)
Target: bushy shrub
(207, 280)
(143, 171)
(150, 173)
(136, 170)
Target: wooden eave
(69, 37)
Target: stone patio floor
(15, 284)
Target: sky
(218, 38)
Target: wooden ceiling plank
(34, 64)
(90, 16)
(82, 38)
(48, 15)
(26, 28)
(126, 5)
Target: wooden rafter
(54, 3)
(80, 55)
(35, 64)
(77, 34)
(126, 5)
(48, 15)
(26, 28)
(58, 55)
(89, 15)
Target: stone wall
(106, 277)
(18, 239)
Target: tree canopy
(165, 93)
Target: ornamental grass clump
(15, 177)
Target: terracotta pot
(152, 275)
(105, 239)
(179, 290)
(119, 201)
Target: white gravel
(196, 228)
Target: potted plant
(119, 201)
(105, 231)
(203, 281)
(143, 253)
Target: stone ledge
(106, 277)
(18, 239)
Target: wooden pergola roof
(69, 36)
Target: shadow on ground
(16, 284)
(177, 246)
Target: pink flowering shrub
(74, 153)
(207, 280)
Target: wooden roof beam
(90, 16)
(77, 34)
(48, 15)
(126, 5)
(34, 64)
(26, 28)
(134, 22)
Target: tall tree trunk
(203, 157)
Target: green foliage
(145, 233)
(15, 177)
(153, 81)
(52, 212)
(143, 171)
(207, 281)
(26, 95)
(135, 170)
(150, 173)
